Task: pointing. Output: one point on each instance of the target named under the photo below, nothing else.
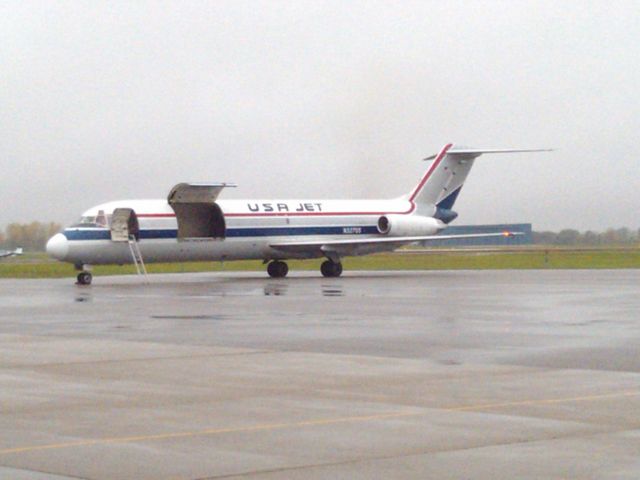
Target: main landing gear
(330, 268)
(277, 269)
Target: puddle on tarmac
(191, 317)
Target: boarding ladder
(136, 255)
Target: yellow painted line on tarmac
(544, 401)
(311, 423)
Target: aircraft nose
(58, 246)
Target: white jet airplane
(193, 225)
(10, 253)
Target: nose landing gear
(277, 269)
(84, 278)
(330, 268)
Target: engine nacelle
(408, 225)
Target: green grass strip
(38, 266)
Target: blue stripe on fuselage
(282, 231)
(104, 234)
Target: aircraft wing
(354, 246)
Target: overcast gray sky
(112, 100)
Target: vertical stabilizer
(442, 182)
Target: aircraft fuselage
(252, 226)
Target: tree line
(30, 236)
(612, 236)
(33, 236)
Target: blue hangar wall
(525, 239)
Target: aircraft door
(124, 223)
(199, 220)
(197, 213)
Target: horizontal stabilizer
(479, 151)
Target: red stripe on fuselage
(415, 193)
(317, 214)
(287, 214)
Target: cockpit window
(99, 221)
(86, 222)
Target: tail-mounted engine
(408, 225)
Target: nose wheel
(84, 278)
(331, 269)
(277, 269)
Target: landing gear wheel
(84, 278)
(277, 269)
(331, 269)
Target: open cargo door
(198, 214)
(124, 224)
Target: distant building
(524, 228)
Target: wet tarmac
(484, 375)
